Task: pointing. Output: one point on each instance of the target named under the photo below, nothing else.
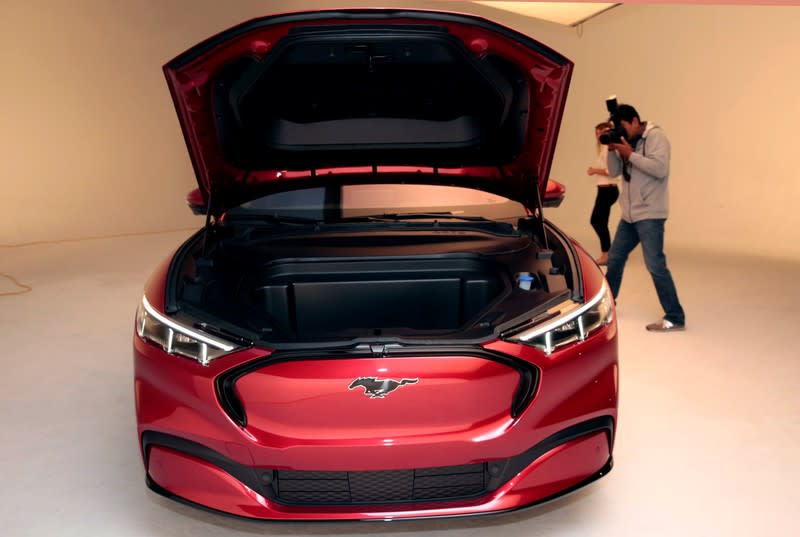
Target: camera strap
(626, 174)
(626, 169)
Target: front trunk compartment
(370, 296)
(382, 284)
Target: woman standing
(607, 194)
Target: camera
(616, 133)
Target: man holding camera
(642, 156)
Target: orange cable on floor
(97, 238)
(24, 288)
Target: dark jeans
(606, 196)
(651, 234)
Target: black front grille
(429, 484)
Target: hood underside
(361, 96)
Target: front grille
(336, 488)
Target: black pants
(606, 196)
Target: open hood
(327, 97)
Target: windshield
(332, 204)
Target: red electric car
(376, 321)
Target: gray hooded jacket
(645, 196)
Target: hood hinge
(535, 222)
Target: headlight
(565, 323)
(175, 338)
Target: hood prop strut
(538, 214)
(208, 223)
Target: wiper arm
(445, 215)
(276, 218)
(386, 217)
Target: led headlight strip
(566, 322)
(175, 338)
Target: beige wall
(90, 143)
(724, 82)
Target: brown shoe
(665, 326)
(603, 259)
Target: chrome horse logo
(376, 388)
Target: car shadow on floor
(536, 520)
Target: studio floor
(708, 440)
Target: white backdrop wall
(724, 82)
(91, 147)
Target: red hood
(307, 99)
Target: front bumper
(195, 452)
(193, 474)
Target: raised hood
(328, 97)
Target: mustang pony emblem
(379, 388)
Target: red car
(376, 321)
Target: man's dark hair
(626, 113)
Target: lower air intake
(338, 488)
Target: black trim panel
(226, 382)
(516, 464)
(174, 271)
(573, 261)
(245, 474)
